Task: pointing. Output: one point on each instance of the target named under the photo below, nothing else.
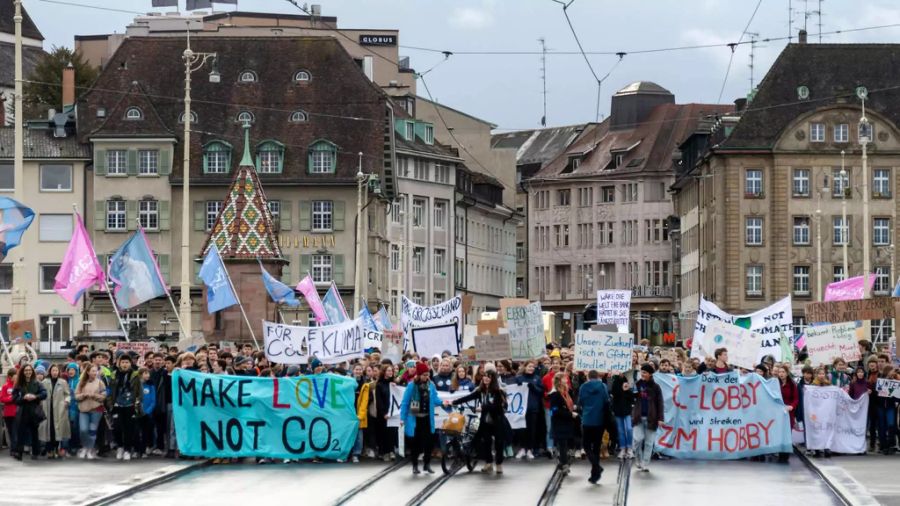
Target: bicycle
(460, 449)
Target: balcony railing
(651, 291)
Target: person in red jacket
(9, 407)
(791, 397)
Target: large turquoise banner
(238, 416)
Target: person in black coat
(385, 437)
(562, 419)
(534, 413)
(494, 427)
(622, 404)
(28, 394)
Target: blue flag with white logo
(219, 294)
(135, 274)
(280, 292)
(334, 306)
(367, 320)
(384, 319)
(14, 220)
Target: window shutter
(164, 217)
(286, 275)
(100, 215)
(165, 162)
(337, 268)
(100, 162)
(195, 273)
(131, 214)
(132, 167)
(305, 215)
(286, 215)
(305, 265)
(199, 215)
(164, 267)
(338, 218)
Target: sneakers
(157, 452)
(638, 466)
(370, 453)
(82, 453)
(521, 454)
(355, 459)
(92, 455)
(529, 455)
(645, 469)
(387, 457)
(120, 453)
(126, 456)
(621, 454)
(488, 468)
(629, 453)
(499, 468)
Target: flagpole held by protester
(218, 295)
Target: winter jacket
(442, 382)
(655, 410)
(148, 397)
(382, 398)
(465, 385)
(593, 401)
(622, 400)
(56, 409)
(362, 406)
(562, 423)
(409, 417)
(493, 406)
(535, 391)
(84, 393)
(791, 397)
(6, 398)
(26, 408)
(121, 381)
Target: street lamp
(819, 235)
(18, 295)
(361, 180)
(845, 232)
(865, 135)
(192, 62)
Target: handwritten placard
(744, 347)
(496, 347)
(603, 351)
(876, 308)
(828, 342)
(613, 307)
(526, 331)
(888, 388)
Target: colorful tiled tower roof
(244, 229)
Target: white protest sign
(888, 388)
(516, 399)
(372, 338)
(613, 307)
(413, 316)
(285, 344)
(768, 322)
(526, 331)
(492, 348)
(431, 341)
(333, 344)
(139, 347)
(392, 346)
(743, 346)
(834, 421)
(824, 343)
(603, 351)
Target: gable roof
(31, 56)
(831, 72)
(7, 11)
(539, 145)
(117, 125)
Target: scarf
(565, 396)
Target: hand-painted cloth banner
(743, 345)
(888, 388)
(219, 294)
(307, 287)
(613, 307)
(848, 289)
(331, 344)
(334, 306)
(372, 338)
(280, 292)
(770, 322)
(722, 417)
(516, 399)
(284, 418)
(413, 316)
(603, 351)
(834, 420)
(134, 272)
(526, 331)
(80, 269)
(14, 221)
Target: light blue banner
(722, 416)
(286, 418)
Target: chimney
(740, 104)
(802, 38)
(68, 86)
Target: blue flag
(897, 289)
(280, 292)
(334, 306)
(384, 319)
(135, 274)
(14, 220)
(219, 294)
(367, 320)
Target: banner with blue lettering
(286, 418)
(722, 417)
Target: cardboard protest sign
(613, 307)
(516, 398)
(722, 417)
(603, 351)
(492, 348)
(22, 329)
(331, 344)
(431, 341)
(744, 347)
(770, 322)
(491, 327)
(139, 347)
(228, 346)
(824, 343)
(285, 418)
(834, 420)
(413, 316)
(526, 331)
(876, 308)
(508, 303)
(888, 388)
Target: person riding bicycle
(494, 427)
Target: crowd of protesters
(116, 404)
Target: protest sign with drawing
(888, 388)
(770, 322)
(526, 331)
(603, 351)
(613, 307)
(743, 345)
(824, 343)
(492, 348)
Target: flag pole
(112, 299)
(240, 305)
(177, 316)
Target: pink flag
(80, 269)
(308, 289)
(848, 289)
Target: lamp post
(192, 62)
(844, 228)
(361, 180)
(819, 235)
(18, 295)
(865, 135)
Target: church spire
(247, 160)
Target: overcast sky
(506, 89)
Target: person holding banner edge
(494, 430)
(648, 411)
(417, 417)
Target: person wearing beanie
(646, 416)
(73, 372)
(41, 372)
(417, 416)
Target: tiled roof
(116, 124)
(31, 56)
(40, 144)
(7, 11)
(537, 146)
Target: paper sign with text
(743, 346)
(413, 316)
(613, 307)
(492, 348)
(331, 344)
(824, 343)
(526, 331)
(888, 388)
(603, 351)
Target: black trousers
(562, 449)
(385, 439)
(592, 439)
(27, 432)
(490, 437)
(161, 427)
(145, 431)
(125, 427)
(422, 443)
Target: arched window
(134, 113)
(194, 117)
(302, 76)
(322, 157)
(245, 117)
(269, 157)
(217, 157)
(299, 117)
(247, 76)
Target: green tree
(43, 88)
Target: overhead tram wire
(733, 46)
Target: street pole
(19, 292)
(845, 230)
(864, 140)
(357, 288)
(819, 250)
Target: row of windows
(606, 195)
(840, 231)
(52, 178)
(422, 169)
(250, 76)
(650, 280)
(546, 238)
(439, 259)
(840, 132)
(800, 286)
(322, 157)
(801, 185)
(420, 212)
(119, 215)
(417, 297)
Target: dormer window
(217, 158)
(429, 134)
(133, 113)
(247, 76)
(269, 157)
(299, 117)
(194, 117)
(301, 76)
(573, 163)
(618, 158)
(245, 117)
(410, 130)
(322, 158)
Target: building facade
(771, 191)
(32, 52)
